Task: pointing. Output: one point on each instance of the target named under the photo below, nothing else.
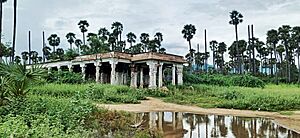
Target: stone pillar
(97, 65)
(70, 68)
(142, 78)
(59, 68)
(174, 120)
(160, 121)
(152, 74)
(174, 75)
(113, 65)
(83, 66)
(152, 120)
(49, 70)
(133, 82)
(160, 75)
(101, 77)
(179, 74)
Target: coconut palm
(83, 25)
(1, 13)
(272, 38)
(71, 38)
(236, 19)
(213, 47)
(285, 36)
(188, 32)
(117, 30)
(145, 41)
(54, 41)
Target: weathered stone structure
(138, 70)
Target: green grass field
(270, 98)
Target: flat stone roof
(132, 57)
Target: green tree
(54, 41)
(221, 49)
(145, 41)
(285, 37)
(46, 51)
(272, 38)
(83, 25)
(60, 53)
(158, 37)
(213, 47)
(34, 56)
(71, 37)
(296, 40)
(25, 57)
(103, 34)
(131, 38)
(117, 30)
(78, 44)
(112, 40)
(236, 19)
(188, 32)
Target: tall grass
(96, 92)
(271, 98)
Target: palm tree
(112, 41)
(213, 46)
(60, 53)
(2, 51)
(236, 19)
(222, 48)
(131, 38)
(83, 25)
(296, 39)
(54, 41)
(145, 41)
(34, 56)
(103, 33)
(46, 51)
(1, 13)
(188, 32)
(14, 30)
(285, 36)
(117, 29)
(272, 38)
(71, 38)
(158, 37)
(25, 56)
(78, 43)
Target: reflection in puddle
(186, 125)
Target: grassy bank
(270, 98)
(60, 110)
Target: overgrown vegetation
(224, 80)
(64, 77)
(271, 98)
(30, 110)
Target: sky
(149, 16)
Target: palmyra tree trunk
(14, 30)
(276, 73)
(237, 50)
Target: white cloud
(166, 16)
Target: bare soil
(156, 105)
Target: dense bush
(64, 77)
(223, 80)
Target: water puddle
(187, 125)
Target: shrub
(64, 77)
(224, 80)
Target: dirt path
(156, 105)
